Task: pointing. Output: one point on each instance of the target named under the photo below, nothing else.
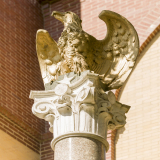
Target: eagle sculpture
(76, 51)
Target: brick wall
(140, 138)
(19, 70)
(110, 155)
(46, 151)
(28, 136)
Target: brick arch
(143, 46)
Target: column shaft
(79, 148)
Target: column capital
(78, 106)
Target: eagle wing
(48, 55)
(119, 50)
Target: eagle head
(68, 18)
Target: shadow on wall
(118, 134)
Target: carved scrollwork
(43, 108)
(81, 107)
(104, 106)
(119, 119)
(85, 96)
(103, 119)
(107, 104)
(50, 118)
(62, 89)
(63, 105)
(111, 125)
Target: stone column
(79, 112)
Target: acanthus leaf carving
(50, 118)
(85, 96)
(79, 107)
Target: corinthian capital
(78, 106)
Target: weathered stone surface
(76, 51)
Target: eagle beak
(58, 15)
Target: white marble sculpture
(79, 108)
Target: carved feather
(48, 55)
(122, 43)
(112, 58)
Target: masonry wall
(19, 70)
(140, 139)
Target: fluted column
(79, 112)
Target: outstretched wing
(120, 49)
(48, 55)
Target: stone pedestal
(79, 112)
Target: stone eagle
(76, 51)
